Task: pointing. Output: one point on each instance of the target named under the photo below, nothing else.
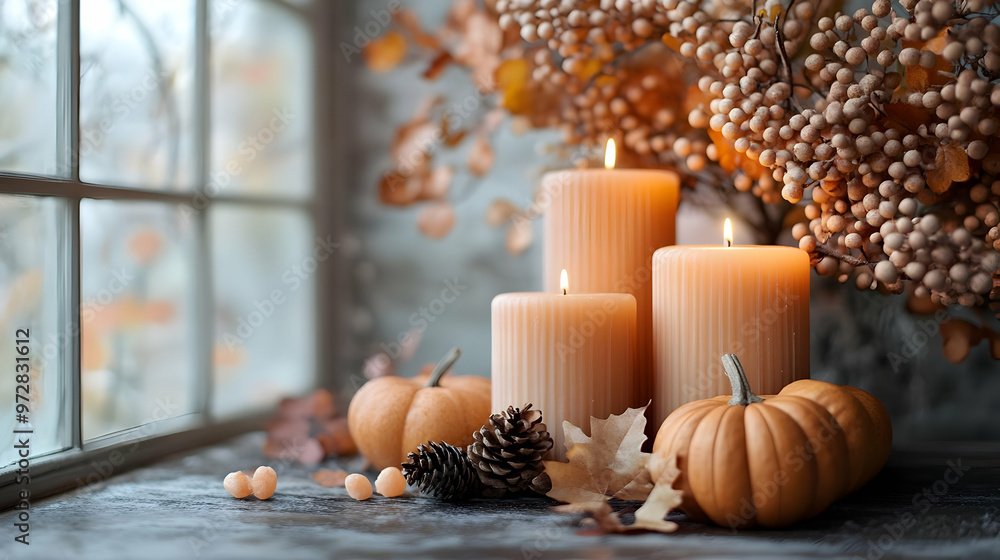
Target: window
(158, 251)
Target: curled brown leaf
(601, 465)
(397, 189)
(438, 65)
(482, 156)
(330, 478)
(500, 211)
(438, 183)
(950, 165)
(436, 220)
(408, 20)
(519, 237)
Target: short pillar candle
(752, 301)
(570, 356)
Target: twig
(847, 258)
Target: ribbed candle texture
(752, 301)
(571, 356)
(603, 226)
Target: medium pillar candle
(570, 356)
(751, 301)
(603, 226)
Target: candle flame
(564, 282)
(609, 154)
(728, 233)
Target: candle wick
(729, 243)
(564, 291)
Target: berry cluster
(880, 123)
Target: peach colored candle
(571, 356)
(603, 225)
(752, 301)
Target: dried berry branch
(879, 125)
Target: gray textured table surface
(178, 509)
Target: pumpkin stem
(742, 394)
(443, 366)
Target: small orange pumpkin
(777, 459)
(390, 416)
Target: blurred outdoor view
(31, 243)
(142, 276)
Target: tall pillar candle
(751, 301)
(570, 356)
(603, 226)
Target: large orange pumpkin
(390, 416)
(774, 460)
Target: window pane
(137, 92)
(261, 95)
(264, 262)
(30, 295)
(28, 86)
(137, 314)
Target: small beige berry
(358, 486)
(886, 272)
(390, 482)
(238, 484)
(265, 480)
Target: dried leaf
(662, 499)
(414, 144)
(335, 438)
(330, 478)
(437, 66)
(483, 39)
(520, 125)
(427, 104)
(906, 115)
(916, 78)
(461, 11)
(671, 42)
(936, 44)
(385, 53)
(919, 78)
(398, 190)
(638, 489)
(950, 165)
(589, 68)
(603, 465)
(732, 161)
(493, 119)
(438, 184)
(410, 22)
(481, 157)
(436, 220)
(500, 211)
(511, 78)
(604, 517)
(519, 237)
(451, 138)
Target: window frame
(85, 463)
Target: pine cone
(443, 471)
(508, 451)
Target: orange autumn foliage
(951, 165)
(385, 53)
